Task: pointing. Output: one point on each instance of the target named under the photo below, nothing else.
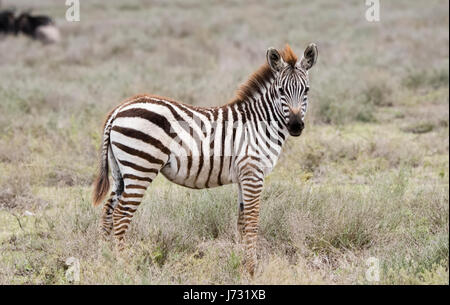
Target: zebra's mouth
(295, 133)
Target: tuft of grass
(378, 95)
(342, 109)
(433, 79)
(420, 128)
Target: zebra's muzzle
(295, 125)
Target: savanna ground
(369, 177)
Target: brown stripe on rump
(138, 153)
(137, 167)
(139, 135)
(121, 208)
(131, 176)
(136, 186)
(150, 116)
(132, 195)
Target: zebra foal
(201, 147)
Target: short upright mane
(262, 76)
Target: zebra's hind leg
(111, 203)
(128, 202)
(107, 218)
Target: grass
(368, 178)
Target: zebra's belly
(198, 172)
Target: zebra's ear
(275, 60)
(309, 57)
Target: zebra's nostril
(295, 124)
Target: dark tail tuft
(101, 184)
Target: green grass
(369, 177)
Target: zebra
(204, 147)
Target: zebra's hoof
(250, 269)
(250, 266)
(120, 245)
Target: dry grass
(369, 177)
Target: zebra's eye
(281, 90)
(306, 90)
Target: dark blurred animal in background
(7, 22)
(39, 27)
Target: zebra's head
(291, 85)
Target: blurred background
(368, 177)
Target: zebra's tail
(101, 184)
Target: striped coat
(197, 147)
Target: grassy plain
(369, 177)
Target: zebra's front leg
(251, 187)
(240, 221)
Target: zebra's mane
(262, 76)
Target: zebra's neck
(255, 101)
(260, 124)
